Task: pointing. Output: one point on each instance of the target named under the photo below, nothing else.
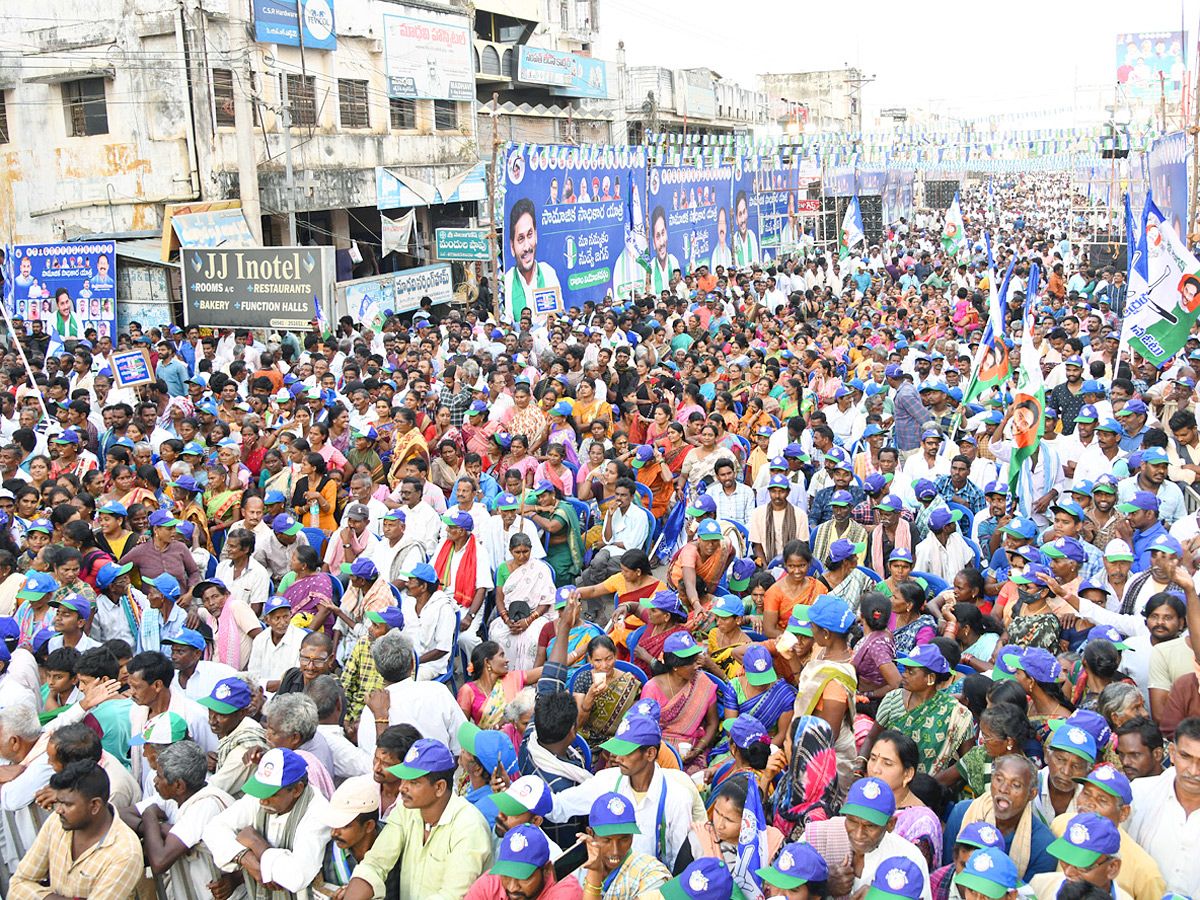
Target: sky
(931, 54)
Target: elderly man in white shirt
(427, 706)
(499, 529)
(626, 527)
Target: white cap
(1117, 545)
(354, 797)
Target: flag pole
(1123, 339)
(21, 350)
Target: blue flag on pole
(752, 843)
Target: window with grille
(222, 88)
(3, 120)
(445, 115)
(352, 100)
(302, 99)
(404, 113)
(87, 112)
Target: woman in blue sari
(760, 693)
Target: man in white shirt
(626, 527)
(429, 620)
(292, 863)
(425, 705)
(244, 577)
(195, 678)
(661, 807)
(399, 550)
(943, 552)
(421, 520)
(348, 760)
(1164, 821)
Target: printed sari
(809, 789)
(487, 710)
(305, 595)
(939, 726)
(768, 706)
(906, 635)
(683, 715)
(652, 642)
(405, 447)
(580, 637)
(816, 679)
(1040, 630)
(220, 508)
(620, 692)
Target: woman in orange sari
(407, 444)
(794, 589)
(634, 585)
(588, 408)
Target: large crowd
(721, 593)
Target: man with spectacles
(420, 519)
(316, 659)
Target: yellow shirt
(458, 851)
(1139, 876)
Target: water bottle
(314, 512)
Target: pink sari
(683, 715)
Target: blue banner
(1167, 165)
(565, 214)
(691, 221)
(87, 271)
(569, 74)
(275, 22)
(746, 247)
(775, 201)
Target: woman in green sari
(556, 517)
(222, 505)
(1003, 729)
(939, 724)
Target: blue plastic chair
(936, 583)
(870, 572)
(645, 495)
(447, 678)
(675, 751)
(720, 697)
(317, 539)
(756, 636)
(978, 556)
(582, 510)
(582, 746)
(338, 589)
(631, 642)
(968, 519)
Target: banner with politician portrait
(85, 271)
(691, 221)
(565, 215)
(744, 214)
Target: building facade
(831, 98)
(688, 101)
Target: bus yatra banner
(691, 221)
(565, 214)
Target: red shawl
(464, 582)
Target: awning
(69, 74)
(416, 186)
(147, 250)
